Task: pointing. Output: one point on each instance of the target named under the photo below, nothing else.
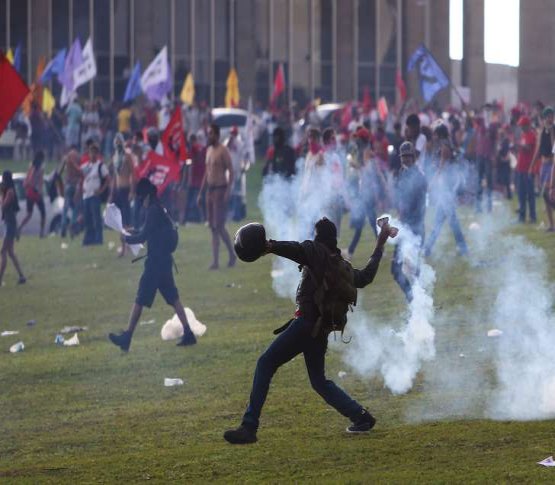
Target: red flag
(383, 110)
(366, 101)
(346, 116)
(160, 170)
(401, 87)
(13, 91)
(173, 138)
(279, 85)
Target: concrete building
(330, 49)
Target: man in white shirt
(96, 181)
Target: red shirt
(85, 159)
(198, 157)
(527, 143)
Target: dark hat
(250, 242)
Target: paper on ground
(170, 381)
(6, 333)
(72, 341)
(547, 462)
(494, 332)
(173, 329)
(73, 329)
(112, 218)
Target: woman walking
(10, 207)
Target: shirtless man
(218, 182)
(123, 188)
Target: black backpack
(106, 193)
(335, 295)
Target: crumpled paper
(112, 218)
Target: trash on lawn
(173, 329)
(111, 245)
(72, 342)
(64, 245)
(7, 333)
(549, 461)
(18, 347)
(31, 323)
(462, 356)
(73, 329)
(341, 374)
(494, 332)
(173, 381)
(59, 340)
(147, 322)
(474, 226)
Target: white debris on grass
(173, 329)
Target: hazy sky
(501, 31)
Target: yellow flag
(9, 55)
(232, 96)
(188, 91)
(48, 102)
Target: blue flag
(133, 88)
(432, 77)
(55, 67)
(17, 58)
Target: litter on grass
(64, 245)
(73, 329)
(549, 461)
(147, 322)
(7, 333)
(341, 374)
(173, 329)
(494, 332)
(72, 342)
(173, 381)
(17, 347)
(31, 323)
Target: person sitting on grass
(161, 237)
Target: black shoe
(240, 436)
(187, 339)
(363, 423)
(123, 340)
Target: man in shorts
(217, 181)
(157, 232)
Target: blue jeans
(93, 221)
(526, 194)
(294, 340)
(69, 204)
(447, 212)
(358, 224)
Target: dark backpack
(103, 195)
(335, 295)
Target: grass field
(92, 414)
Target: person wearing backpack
(96, 182)
(327, 289)
(161, 237)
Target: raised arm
(288, 249)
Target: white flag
(87, 69)
(157, 72)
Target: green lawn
(92, 414)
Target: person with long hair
(10, 207)
(34, 189)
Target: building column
(536, 75)
(346, 61)
(473, 64)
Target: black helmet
(250, 242)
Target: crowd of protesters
(103, 150)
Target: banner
(133, 88)
(157, 72)
(55, 67)
(432, 77)
(159, 170)
(12, 91)
(188, 91)
(173, 138)
(85, 71)
(232, 96)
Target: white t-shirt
(91, 182)
(420, 144)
